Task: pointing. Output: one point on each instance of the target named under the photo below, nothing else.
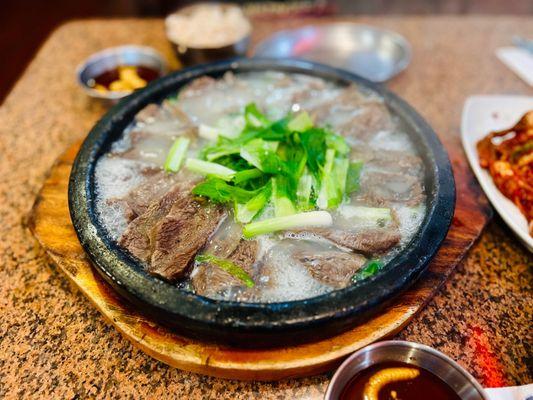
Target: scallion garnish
(176, 155)
(291, 164)
(295, 221)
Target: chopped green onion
(295, 221)
(208, 132)
(303, 166)
(304, 192)
(261, 154)
(341, 166)
(338, 143)
(326, 183)
(221, 151)
(246, 175)
(372, 267)
(300, 122)
(283, 205)
(333, 181)
(244, 213)
(352, 179)
(228, 266)
(254, 118)
(231, 126)
(176, 154)
(210, 169)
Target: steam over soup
(262, 187)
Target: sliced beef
(371, 118)
(169, 109)
(180, 234)
(354, 114)
(387, 160)
(148, 148)
(152, 147)
(367, 241)
(140, 198)
(333, 268)
(172, 110)
(380, 188)
(136, 237)
(197, 86)
(225, 239)
(148, 113)
(211, 281)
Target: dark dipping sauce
(425, 386)
(106, 78)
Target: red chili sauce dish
(397, 381)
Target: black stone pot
(254, 324)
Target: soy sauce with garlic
(123, 77)
(401, 384)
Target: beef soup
(187, 191)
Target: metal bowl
(373, 53)
(111, 58)
(258, 324)
(190, 56)
(464, 384)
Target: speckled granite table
(53, 344)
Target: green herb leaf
(314, 143)
(262, 154)
(300, 123)
(247, 174)
(219, 191)
(372, 267)
(354, 174)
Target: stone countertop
(54, 344)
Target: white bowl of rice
(206, 32)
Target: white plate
(482, 115)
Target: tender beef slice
(333, 268)
(387, 160)
(226, 238)
(371, 118)
(211, 281)
(136, 237)
(398, 161)
(148, 113)
(169, 109)
(367, 241)
(148, 148)
(140, 198)
(353, 114)
(197, 86)
(173, 111)
(178, 236)
(382, 188)
(155, 187)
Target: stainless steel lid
(373, 53)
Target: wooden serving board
(50, 223)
